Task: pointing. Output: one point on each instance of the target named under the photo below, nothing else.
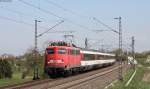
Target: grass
(16, 79)
(121, 84)
(142, 62)
(137, 82)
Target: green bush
(5, 69)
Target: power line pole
(36, 71)
(86, 43)
(36, 75)
(120, 76)
(133, 42)
(133, 51)
(102, 47)
(120, 49)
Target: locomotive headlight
(60, 61)
(55, 61)
(50, 61)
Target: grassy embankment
(16, 79)
(137, 82)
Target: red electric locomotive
(61, 59)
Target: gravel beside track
(96, 79)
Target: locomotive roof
(63, 47)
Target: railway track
(79, 81)
(69, 82)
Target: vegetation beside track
(16, 79)
(137, 82)
(21, 68)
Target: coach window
(61, 51)
(50, 51)
(87, 57)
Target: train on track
(66, 60)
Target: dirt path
(146, 77)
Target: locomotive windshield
(50, 51)
(61, 51)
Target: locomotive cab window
(62, 51)
(50, 51)
(74, 52)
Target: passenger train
(66, 60)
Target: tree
(5, 69)
(29, 62)
(124, 55)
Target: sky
(17, 23)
